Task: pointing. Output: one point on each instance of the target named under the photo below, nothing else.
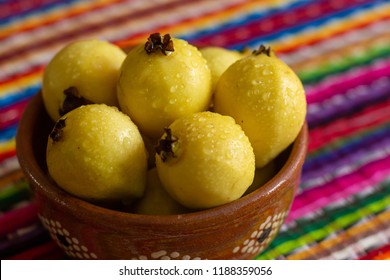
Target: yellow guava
(159, 86)
(266, 97)
(83, 72)
(205, 160)
(218, 60)
(96, 152)
(156, 200)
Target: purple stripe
(352, 159)
(348, 102)
(20, 242)
(334, 85)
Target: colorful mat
(339, 48)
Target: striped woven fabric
(339, 48)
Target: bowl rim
(110, 218)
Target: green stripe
(333, 67)
(331, 220)
(354, 138)
(13, 193)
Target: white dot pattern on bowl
(68, 243)
(164, 255)
(257, 241)
(74, 249)
(261, 236)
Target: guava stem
(165, 148)
(73, 99)
(157, 42)
(262, 50)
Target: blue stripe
(8, 133)
(23, 94)
(245, 19)
(36, 11)
(308, 25)
(332, 152)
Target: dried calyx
(73, 99)
(262, 50)
(57, 131)
(157, 42)
(166, 146)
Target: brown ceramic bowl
(237, 230)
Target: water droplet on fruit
(208, 150)
(246, 68)
(194, 64)
(256, 82)
(228, 154)
(266, 96)
(155, 104)
(266, 72)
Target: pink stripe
(46, 251)
(268, 25)
(11, 114)
(15, 219)
(342, 83)
(371, 116)
(15, 7)
(339, 189)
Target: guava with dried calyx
(161, 81)
(96, 153)
(266, 97)
(156, 200)
(218, 60)
(82, 72)
(205, 160)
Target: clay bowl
(238, 230)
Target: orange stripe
(206, 20)
(279, 45)
(221, 16)
(20, 81)
(383, 256)
(340, 27)
(347, 237)
(340, 54)
(34, 75)
(49, 18)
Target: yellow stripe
(7, 146)
(322, 248)
(208, 20)
(19, 83)
(52, 16)
(356, 49)
(332, 29)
